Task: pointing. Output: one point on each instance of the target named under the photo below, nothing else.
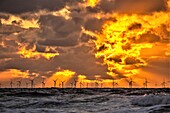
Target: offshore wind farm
(79, 97)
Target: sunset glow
(86, 43)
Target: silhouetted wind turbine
(62, 84)
(130, 83)
(81, 84)
(101, 84)
(32, 83)
(75, 83)
(96, 84)
(19, 83)
(114, 83)
(163, 84)
(43, 83)
(145, 83)
(11, 83)
(87, 85)
(55, 82)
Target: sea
(84, 100)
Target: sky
(91, 41)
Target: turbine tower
(55, 82)
(19, 83)
(0, 85)
(130, 83)
(101, 85)
(32, 83)
(62, 84)
(43, 83)
(11, 84)
(96, 84)
(75, 83)
(81, 84)
(114, 83)
(163, 84)
(145, 83)
(87, 85)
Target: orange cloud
(13, 74)
(32, 53)
(16, 20)
(92, 3)
(116, 43)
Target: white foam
(150, 100)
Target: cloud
(9, 29)
(65, 42)
(76, 60)
(132, 6)
(130, 61)
(20, 6)
(94, 24)
(148, 38)
(60, 32)
(55, 27)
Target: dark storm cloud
(57, 31)
(80, 60)
(65, 42)
(132, 6)
(34, 66)
(148, 37)
(119, 74)
(76, 60)
(131, 60)
(94, 24)
(9, 29)
(116, 59)
(22, 6)
(42, 49)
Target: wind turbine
(130, 83)
(55, 82)
(32, 83)
(62, 84)
(114, 83)
(19, 83)
(145, 83)
(164, 84)
(81, 84)
(75, 83)
(11, 83)
(101, 84)
(87, 85)
(43, 83)
(0, 85)
(96, 84)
